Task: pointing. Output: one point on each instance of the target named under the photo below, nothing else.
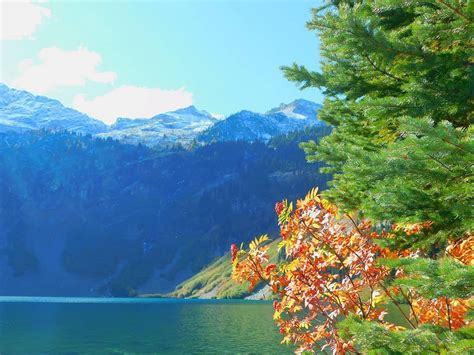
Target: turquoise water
(42, 325)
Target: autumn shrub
(339, 284)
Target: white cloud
(20, 19)
(58, 68)
(132, 102)
(55, 68)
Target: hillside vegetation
(86, 216)
(214, 281)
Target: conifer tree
(398, 77)
(398, 80)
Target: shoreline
(125, 300)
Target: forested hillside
(81, 215)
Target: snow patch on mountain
(180, 126)
(251, 126)
(298, 109)
(21, 110)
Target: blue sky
(137, 58)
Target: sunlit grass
(215, 280)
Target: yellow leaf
(282, 244)
(263, 238)
(253, 244)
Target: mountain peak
(21, 110)
(304, 102)
(191, 110)
(179, 126)
(250, 126)
(298, 109)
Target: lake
(45, 325)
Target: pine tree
(398, 77)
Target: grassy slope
(215, 281)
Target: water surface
(43, 325)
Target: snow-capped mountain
(298, 109)
(21, 110)
(250, 126)
(180, 126)
(244, 125)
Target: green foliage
(373, 338)
(435, 278)
(214, 281)
(427, 175)
(398, 78)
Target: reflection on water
(156, 326)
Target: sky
(136, 59)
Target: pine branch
(380, 70)
(455, 10)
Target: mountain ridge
(250, 126)
(181, 125)
(86, 216)
(22, 111)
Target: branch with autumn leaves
(335, 269)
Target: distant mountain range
(251, 126)
(180, 126)
(23, 111)
(87, 216)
